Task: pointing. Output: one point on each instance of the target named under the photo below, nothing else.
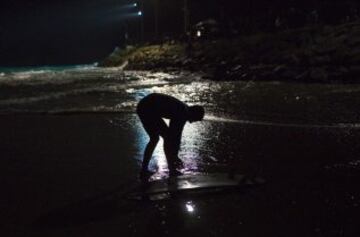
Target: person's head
(195, 113)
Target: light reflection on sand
(190, 207)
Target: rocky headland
(311, 54)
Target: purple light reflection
(193, 141)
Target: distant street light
(135, 10)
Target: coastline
(325, 54)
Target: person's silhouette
(151, 111)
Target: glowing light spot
(190, 207)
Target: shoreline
(312, 55)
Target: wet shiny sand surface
(67, 175)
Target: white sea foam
(92, 110)
(279, 124)
(57, 95)
(345, 89)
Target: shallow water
(71, 135)
(98, 90)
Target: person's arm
(175, 132)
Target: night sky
(38, 32)
(34, 32)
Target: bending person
(151, 110)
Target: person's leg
(154, 127)
(172, 156)
(169, 154)
(150, 147)
(172, 145)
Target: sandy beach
(65, 175)
(49, 162)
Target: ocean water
(71, 89)
(91, 89)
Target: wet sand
(51, 165)
(50, 161)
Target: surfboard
(191, 184)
